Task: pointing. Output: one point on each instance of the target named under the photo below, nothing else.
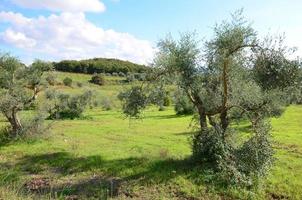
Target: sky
(55, 30)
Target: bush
(161, 108)
(167, 100)
(114, 74)
(294, 94)
(79, 84)
(98, 79)
(256, 154)
(67, 81)
(210, 150)
(130, 78)
(65, 106)
(51, 79)
(183, 106)
(32, 128)
(35, 126)
(140, 76)
(32, 106)
(121, 74)
(106, 103)
(241, 165)
(208, 147)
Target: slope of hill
(99, 65)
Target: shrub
(294, 93)
(79, 84)
(140, 76)
(161, 108)
(167, 100)
(31, 128)
(32, 106)
(106, 103)
(183, 106)
(5, 135)
(51, 79)
(35, 126)
(65, 106)
(98, 79)
(255, 156)
(114, 74)
(208, 147)
(130, 78)
(121, 74)
(210, 150)
(234, 165)
(67, 81)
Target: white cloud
(63, 5)
(17, 38)
(13, 18)
(71, 36)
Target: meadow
(104, 155)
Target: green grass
(110, 90)
(144, 159)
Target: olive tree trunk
(15, 123)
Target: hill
(99, 65)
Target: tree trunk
(224, 113)
(195, 99)
(202, 119)
(224, 120)
(15, 123)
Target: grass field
(106, 154)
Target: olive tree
(223, 80)
(19, 88)
(65, 106)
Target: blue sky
(128, 29)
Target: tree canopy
(19, 87)
(99, 65)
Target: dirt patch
(38, 185)
(274, 196)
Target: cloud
(63, 5)
(17, 38)
(71, 36)
(13, 18)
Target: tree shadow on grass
(114, 173)
(173, 116)
(187, 133)
(244, 129)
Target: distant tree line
(99, 65)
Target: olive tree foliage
(19, 88)
(278, 71)
(225, 81)
(65, 106)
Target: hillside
(99, 65)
